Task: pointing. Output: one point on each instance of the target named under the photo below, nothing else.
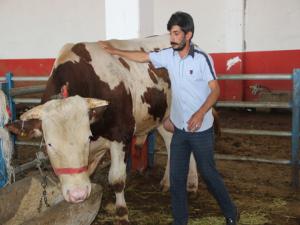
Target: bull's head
(65, 125)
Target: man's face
(177, 38)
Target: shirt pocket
(193, 74)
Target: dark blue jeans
(202, 145)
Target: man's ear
(188, 35)
(26, 129)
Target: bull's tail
(217, 127)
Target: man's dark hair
(183, 20)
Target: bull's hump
(65, 55)
(80, 50)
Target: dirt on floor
(262, 192)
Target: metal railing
(294, 105)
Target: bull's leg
(117, 178)
(167, 136)
(192, 183)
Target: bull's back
(150, 87)
(139, 95)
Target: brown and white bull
(111, 100)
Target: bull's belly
(147, 124)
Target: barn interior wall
(243, 36)
(272, 25)
(38, 29)
(218, 23)
(224, 25)
(146, 18)
(122, 19)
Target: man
(194, 91)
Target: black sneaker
(233, 221)
(230, 221)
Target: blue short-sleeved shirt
(189, 83)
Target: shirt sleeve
(159, 59)
(208, 69)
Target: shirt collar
(191, 50)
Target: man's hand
(108, 47)
(195, 121)
(137, 56)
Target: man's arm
(196, 120)
(137, 56)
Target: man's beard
(181, 45)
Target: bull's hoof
(165, 186)
(192, 188)
(123, 222)
(122, 215)
(121, 211)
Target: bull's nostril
(78, 194)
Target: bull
(110, 100)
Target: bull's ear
(34, 113)
(26, 129)
(96, 108)
(96, 114)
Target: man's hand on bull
(195, 122)
(137, 56)
(108, 47)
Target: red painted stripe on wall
(271, 62)
(262, 62)
(26, 67)
(230, 90)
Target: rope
(4, 115)
(6, 144)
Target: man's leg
(179, 166)
(151, 148)
(203, 146)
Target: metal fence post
(10, 85)
(12, 106)
(295, 128)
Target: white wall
(122, 19)
(218, 23)
(272, 24)
(38, 29)
(222, 25)
(146, 20)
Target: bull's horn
(34, 113)
(95, 103)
